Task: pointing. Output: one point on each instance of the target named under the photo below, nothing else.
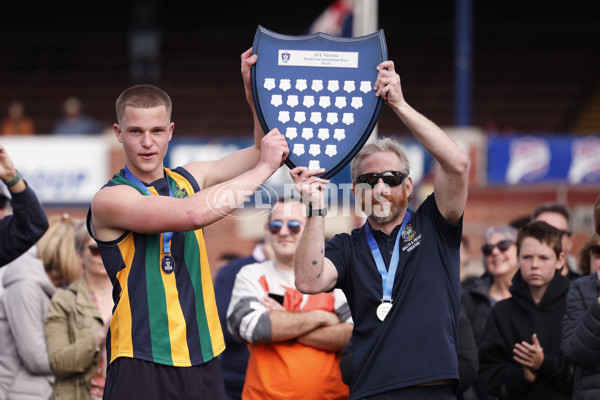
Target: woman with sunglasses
(77, 324)
(479, 295)
(500, 261)
(581, 324)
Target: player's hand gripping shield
(318, 91)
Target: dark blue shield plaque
(318, 91)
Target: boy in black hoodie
(519, 353)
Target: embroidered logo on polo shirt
(411, 238)
(408, 233)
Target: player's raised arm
(122, 208)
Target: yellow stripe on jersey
(177, 327)
(120, 325)
(210, 304)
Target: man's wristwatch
(311, 212)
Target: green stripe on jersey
(157, 303)
(192, 258)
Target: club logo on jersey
(408, 233)
(181, 193)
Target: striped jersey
(166, 313)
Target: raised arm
(20, 231)
(314, 272)
(214, 172)
(122, 208)
(451, 181)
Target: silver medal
(383, 309)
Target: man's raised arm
(20, 231)
(451, 181)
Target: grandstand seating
(528, 75)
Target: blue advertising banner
(533, 159)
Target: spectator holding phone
(294, 339)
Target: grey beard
(387, 217)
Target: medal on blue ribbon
(387, 276)
(167, 262)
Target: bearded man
(400, 271)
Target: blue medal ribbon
(139, 184)
(387, 277)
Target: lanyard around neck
(387, 276)
(140, 185)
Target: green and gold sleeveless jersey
(163, 315)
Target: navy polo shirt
(416, 343)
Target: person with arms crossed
(401, 270)
(294, 343)
(165, 334)
(22, 230)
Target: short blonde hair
(56, 248)
(379, 146)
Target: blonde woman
(29, 283)
(77, 324)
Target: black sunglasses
(595, 249)
(94, 250)
(294, 226)
(390, 178)
(568, 233)
(487, 249)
